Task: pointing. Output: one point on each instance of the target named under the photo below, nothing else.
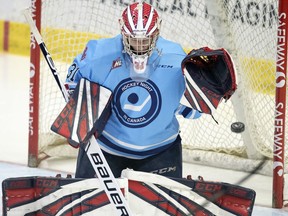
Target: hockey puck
(237, 127)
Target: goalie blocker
(210, 77)
(85, 114)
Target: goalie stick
(45, 53)
(93, 150)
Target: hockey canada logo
(136, 103)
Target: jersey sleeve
(188, 112)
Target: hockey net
(247, 29)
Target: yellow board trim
(1, 35)
(67, 43)
(19, 39)
(260, 74)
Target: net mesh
(247, 29)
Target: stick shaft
(45, 53)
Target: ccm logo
(208, 187)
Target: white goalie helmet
(140, 27)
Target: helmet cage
(139, 45)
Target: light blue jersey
(143, 121)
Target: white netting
(247, 29)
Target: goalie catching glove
(210, 77)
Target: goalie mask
(140, 26)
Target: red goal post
(280, 106)
(247, 29)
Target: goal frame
(280, 99)
(280, 106)
(34, 88)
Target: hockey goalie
(84, 117)
(121, 115)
